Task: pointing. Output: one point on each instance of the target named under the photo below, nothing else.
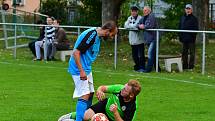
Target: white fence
(115, 46)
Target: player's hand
(100, 95)
(83, 75)
(113, 108)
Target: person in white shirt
(136, 40)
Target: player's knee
(88, 114)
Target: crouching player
(120, 105)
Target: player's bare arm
(100, 93)
(113, 108)
(76, 55)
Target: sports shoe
(35, 59)
(140, 70)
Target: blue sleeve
(87, 41)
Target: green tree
(125, 10)
(89, 13)
(55, 8)
(111, 9)
(173, 14)
(200, 10)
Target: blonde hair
(135, 85)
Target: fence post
(14, 50)
(157, 49)
(203, 55)
(4, 27)
(115, 52)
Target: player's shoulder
(116, 85)
(115, 88)
(89, 30)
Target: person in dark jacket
(148, 21)
(188, 22)
(31, 45)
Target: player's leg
(88, 114)
(82, 90)
(91, 87)
(81, 107)
(99, 107)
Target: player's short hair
(111, 25)
(135, 86)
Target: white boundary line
(109, 72)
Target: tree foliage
(125, 11)
(89, 13)
(111, 10)
(55, 8)
(173, 14)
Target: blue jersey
(88, 43)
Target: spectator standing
(148, 21)
(136, 40)
(85, 52)
(188, 22)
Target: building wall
(28, 6)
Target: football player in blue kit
(84, 54)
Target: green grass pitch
(38, 91)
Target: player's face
(113, 33)
(110, 34)
(126, 91)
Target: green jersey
(126, 110)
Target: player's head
(134, 11)
(131, 89)
(110, 29)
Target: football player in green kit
(120, 105)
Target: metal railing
(34, 25)
(189, 31)
(115, 45)
(173, 30)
